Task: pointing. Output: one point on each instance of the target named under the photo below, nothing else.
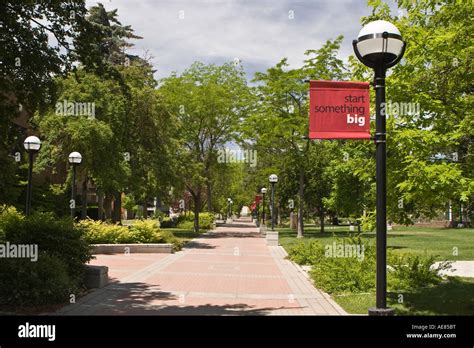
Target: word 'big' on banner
(339, 110)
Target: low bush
(58, 270)
(306, 253)
(206, 221)
(56, 237)
(347, 265)
(26, 283)
(142, 231)
(168, 223)
(337, 269)
(410, 271)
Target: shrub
(56, 237)
(168, 223)
(145, 231)
(410, 271)
(142, 231)
(341, 274)
(99, 232)
(306, 253)
(206, 221)
(9, 216)
(26, 283)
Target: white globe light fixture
(380, 46)
(273, 178)
(263, 190)
(75, 158)
(32, 144)
(379, 43)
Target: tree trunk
(100, 204)
(301, 206)
(209, 196)
(197, 205)
(321, 216)
(117, 213)
(108, 206)
(145, 208)
(84, 199)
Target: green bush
(206, 221)
(306, 253)
(59, 269)
(9, 216)
(410, 271)
(346, 274)
(167, 222)
(142, 231)
(56, 237)
(351, 274)
(26, 283)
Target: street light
(75, 158)
(32, 145)
(263, 190)
(228, 207)
(380, 46)
(273, 180)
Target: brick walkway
(230, 271)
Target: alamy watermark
(344, 250)
(21, 251)
(237, 156)
(395, 109)
(69, 108)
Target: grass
(435, 240)
(452, 297)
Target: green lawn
(184, 234)
(435, 240)
(453, 297)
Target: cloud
(259, 33)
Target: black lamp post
(264, 190)
(75, 158)
(380, 46)
(273, 180)
(32, 145)
(228, 207)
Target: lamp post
(75, 158)
(380, 46)
(263, 190)
(228, 207)
(32, 145)
(273, 180)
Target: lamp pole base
(381, 312)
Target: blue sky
(259, 33)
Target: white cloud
(259, 33)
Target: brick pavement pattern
(229, 271)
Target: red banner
(339, 110)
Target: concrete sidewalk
(230, 271)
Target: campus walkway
(230, 271)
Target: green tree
(207, 102)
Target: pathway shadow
(195, 244)
(142, 299)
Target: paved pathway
(230, 271)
